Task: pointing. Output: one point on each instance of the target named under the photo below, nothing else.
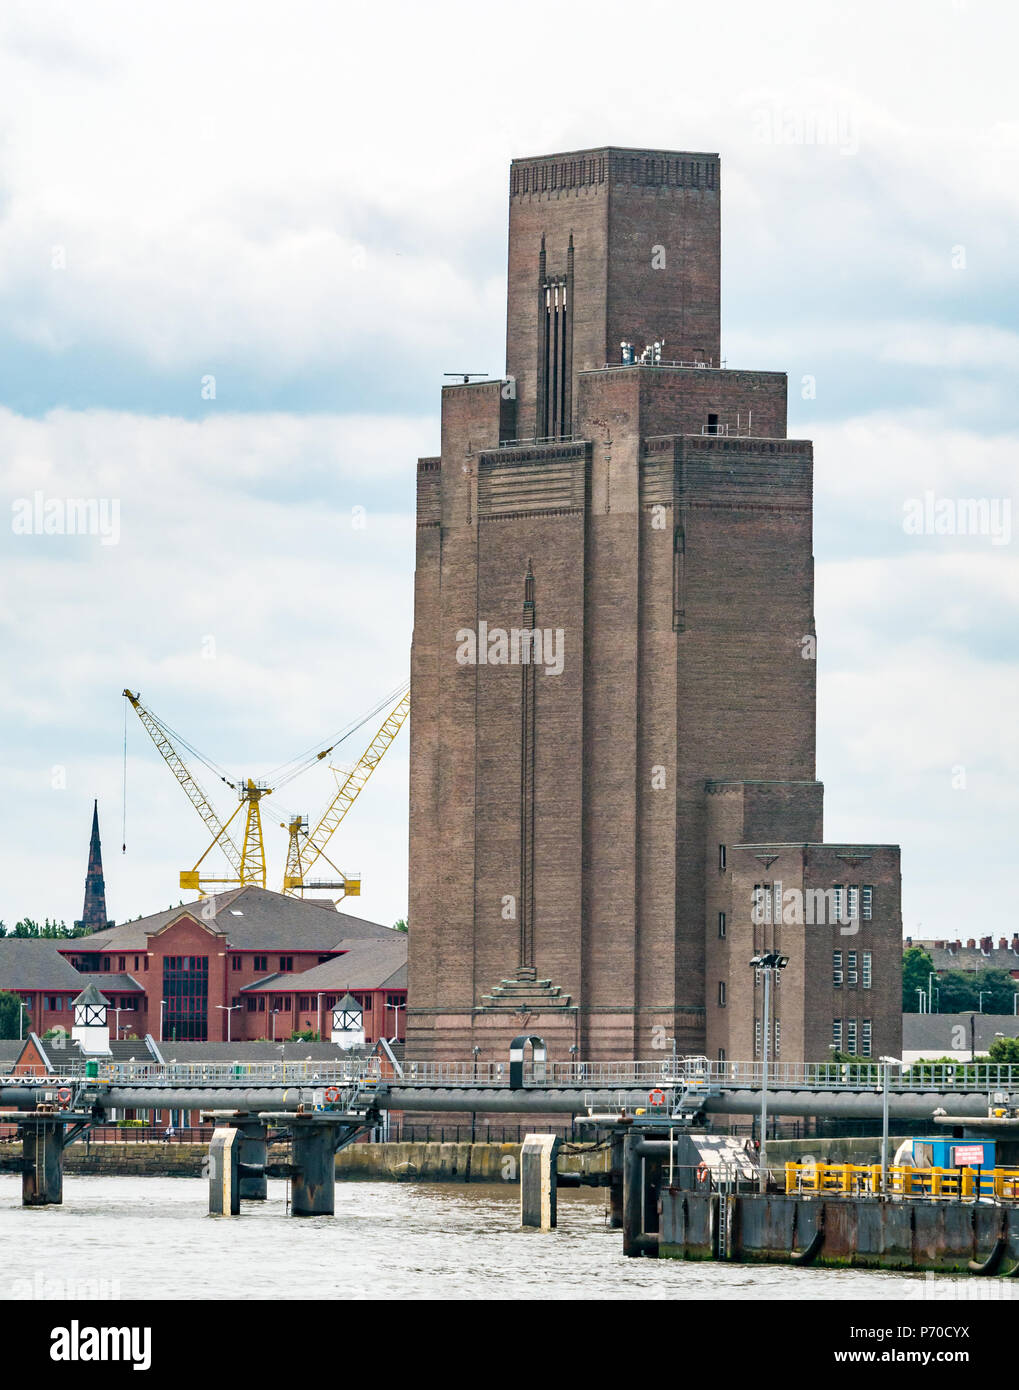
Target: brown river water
(153, 1238)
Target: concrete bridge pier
(538, 1181)
(254, 1158)
(42, 1173)
(224, 1171)
(313, 1171)
(616, 1181)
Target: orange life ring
(656, 1098)
(702, 1171)
(332, 1094)
(64, 1096)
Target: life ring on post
(64, 1096)
(656, 1098)
(332, 1094)
(702, 1171)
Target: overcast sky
(307, 203)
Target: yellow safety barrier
(861, 1180)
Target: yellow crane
(248, 861)
(304, 849)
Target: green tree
(401, 925)
(10, 1008)
(958, 992)
(28, 927)
(1004, 1050)
(916, 971)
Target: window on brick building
(261, 962)
(721, 1054)
(721, 994)
(836, 1034)
(851, 1036)
(236, 962)
(852, 973)
(286, 963)
(838, 900)
(721, 856)
(836, 969)
(55, 1003)
(106, 962)
(304, 1002)
(867, 971)
(853, 895)
(757, 1037)
(778, 1038)
(136, 962)
(721, 924)
(865, 1042)
(868, 902)
(252, 1003)
(712, 424)
(261, 1003)
(121, 963)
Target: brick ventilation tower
(93, 914)
(613, 674)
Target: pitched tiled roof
(365, 965)
(119, 984)
(250, 1051)
(250, 919)
(28, 962)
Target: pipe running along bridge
(324, 1106)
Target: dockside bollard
(538, 1173)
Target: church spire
(93, 914)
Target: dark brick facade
(668, 527)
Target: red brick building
(180, 975)
(636, 503)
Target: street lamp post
(229, 1010)
(930, 991)
(21, 1018)
(273, 1013)
(982, 993)
(888, 1062)
(767, 961)
(923, 999)
(162, 1007)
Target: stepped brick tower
(612, 673)
(93, 914)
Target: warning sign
(968, 1156)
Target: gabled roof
(118, 984)
(364, 965)
(54, 1051)
(249, 919)
(28, 962)
(251, 1051)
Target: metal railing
(240, 1073)
(988, 1078)
(864, 1180)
